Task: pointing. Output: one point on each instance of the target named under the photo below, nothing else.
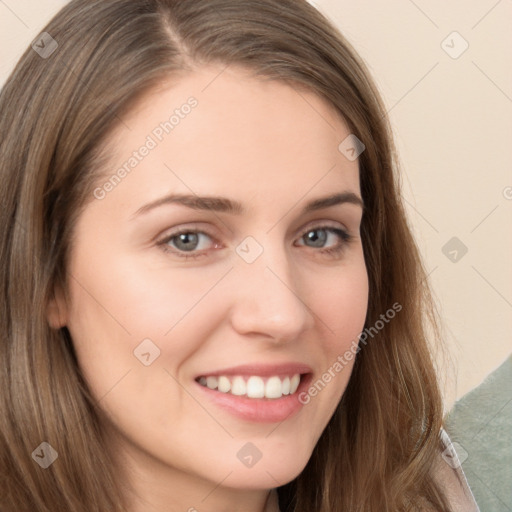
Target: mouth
(270, 387)
(261, 393)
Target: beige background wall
(452, 115)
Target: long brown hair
(56, 111)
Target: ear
(57, 311)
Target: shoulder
(448, 473)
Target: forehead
(222, 131)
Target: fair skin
(274, 149)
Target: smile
(253, 386)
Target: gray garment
(480, 426)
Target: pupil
(318, 241)
(187, 241)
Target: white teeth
(286, 386)
(211, 382)
(294, 383)
(239, 387)
(274, 388)
(254, 386)
(224, 384)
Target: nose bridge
(269, 296)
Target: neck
(152, 486)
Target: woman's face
(169, 294)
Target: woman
(211, 298)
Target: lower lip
(259, 410)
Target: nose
(268, 301)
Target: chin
(268, 474)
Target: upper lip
(262, 370)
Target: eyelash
(332, 251)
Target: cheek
(118, 302)
(151, 298)
(143, 299)
(342, 305)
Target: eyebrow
(225, 205)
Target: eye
(331, 239)
(188, 241)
